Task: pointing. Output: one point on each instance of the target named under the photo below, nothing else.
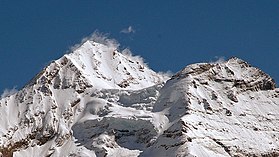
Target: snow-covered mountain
(98, 101)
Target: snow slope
(97, 101)
(220, 109)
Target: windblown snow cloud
(128, 30)
(219, 59)
(8, 92)
(166, 75)
(111, 43)
(127, 52)
(98, 37)
(114, 44)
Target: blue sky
(168, 34)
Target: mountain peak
(100, 101)
(234, 70)
(97, 65)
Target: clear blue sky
(168, 34)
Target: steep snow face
(99, 102)
(38, 119)
(99, 66)
(104, 67)
(221, 109)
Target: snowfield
(98, 101)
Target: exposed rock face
(98, 102)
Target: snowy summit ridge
(96, 62)
(98, 101)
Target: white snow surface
(97, 101)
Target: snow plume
(166, 75)
(104, 39)
(8, 92)
(129, 54)
(128, 30)
(111, 43)
(126, 52)
(99, 38)
(219, 59)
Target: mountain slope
(221, 109)
(97, 101)
(43, 112)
